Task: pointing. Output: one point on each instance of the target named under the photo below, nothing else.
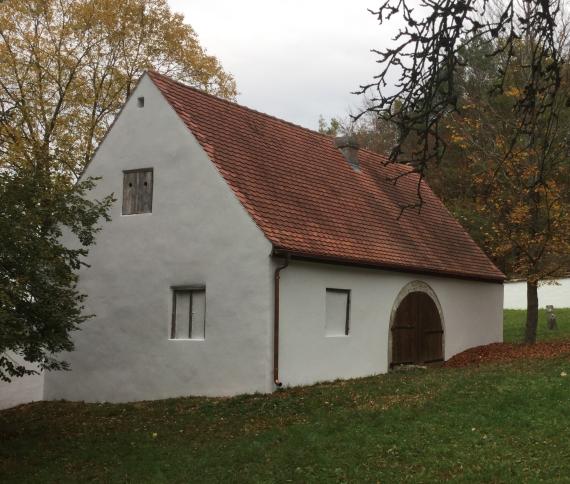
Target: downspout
(276, 322)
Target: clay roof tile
(308, 200)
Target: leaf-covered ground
(551, 343)
(489, 423)
(505, 352)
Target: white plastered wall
(472, 313)
(555, 293)
(198, 233)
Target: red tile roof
(309, 202)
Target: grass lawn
(515, 319)
(495, 423)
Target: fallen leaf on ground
(504, 352)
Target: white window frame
(347, 317)
(191, 289)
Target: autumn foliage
(67, 66)
(514, 181)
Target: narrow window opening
(188, 313)
(140, 102)
(337, 311)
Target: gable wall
(472, 316)
(198, 233)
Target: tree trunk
(531, 312)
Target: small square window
(337, 312)
(137, 191)
(188, 313)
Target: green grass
(495, 423)
(499, 424)
(514, 322)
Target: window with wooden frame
(137, 191)
(188, 312)
(337, 319)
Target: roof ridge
(261, 113)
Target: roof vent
(349, 147)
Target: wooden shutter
(181, 309)
(188, 312)
(137, 191)
(198, 316)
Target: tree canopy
(511, 192)
(39, 301)
(67, 66)
(426, 58)
(481, 107)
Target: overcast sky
(295, 59)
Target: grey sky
(291, 58)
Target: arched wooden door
(417, 333)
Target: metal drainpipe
(276, 323)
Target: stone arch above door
(410, 288)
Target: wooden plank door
(431, 337)
(417, 333)
(405, 332)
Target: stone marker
(551, 324)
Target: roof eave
(278, 252)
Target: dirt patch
(504, 352)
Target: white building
(555, 293)
(246, 253)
